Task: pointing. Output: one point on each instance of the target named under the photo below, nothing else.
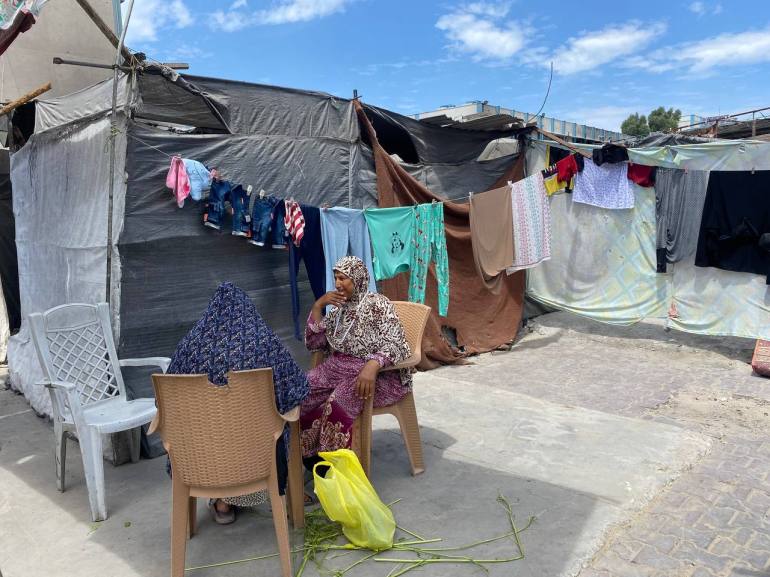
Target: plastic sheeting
(419, 142)
(709, 301)
(60, 203)
(716, 155)
(89, 102)
(9, 269)
(602, 261)
(171, 262)
(274, 111)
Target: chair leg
(180, 502)
(406, 413)
(296, 492)
(93, 467)
(136, 444)
(60, 452)
(192, 517)
(364, 434)
(281, 526)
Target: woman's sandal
(219, 517)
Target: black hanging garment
(735, 230)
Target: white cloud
(478, 29)
(185, 53)
(284, 12)
(750, 47)
(149, 17)
(593, 49)
(702, 8)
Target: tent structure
(164, 265)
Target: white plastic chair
(77, 353)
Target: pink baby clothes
(178, 181)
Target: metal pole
(113, 135)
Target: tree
(635, 125)
(662, 120)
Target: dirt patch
(716, 412)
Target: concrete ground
(639, 451)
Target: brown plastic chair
(221, 441)
(414, 317)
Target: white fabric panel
(60, 198)
(89, 102)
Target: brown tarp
(483, 321)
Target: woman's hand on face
(334, 298)
(367, 379)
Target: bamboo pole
(562, 142)
(101, 25)
(11, 106)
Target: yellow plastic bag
(347, 497)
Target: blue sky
(610, 58)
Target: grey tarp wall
(306, 145)
(60, 202)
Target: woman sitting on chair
(362, 334)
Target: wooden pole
(100, 24)
(562, 142)
(11, 106)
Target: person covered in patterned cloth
(232, 336)
(362, 334)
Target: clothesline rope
(150, 145)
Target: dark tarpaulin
(275, 111)
(417, 142)
(171, 262)
(9, 269)
(482, 321)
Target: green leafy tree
(635, 125)
(662, 120)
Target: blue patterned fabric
(232, 336)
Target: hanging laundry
(215, 205)
(265, 227)
(554, 154)
(679, 199)
(311, 250)
(553, 185)
(294, 221)
(430, 244)
(345, 233)
(531, 223)
(178, 181)
(568, 167)
(604, 186)
(199, 177)
(610, 153)
(735, 230)
(239, 199)
(392, 234)
(491, 221)
(641, 174)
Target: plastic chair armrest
(154, 424)
(64, 386)
(291, 416)
(162, 362)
